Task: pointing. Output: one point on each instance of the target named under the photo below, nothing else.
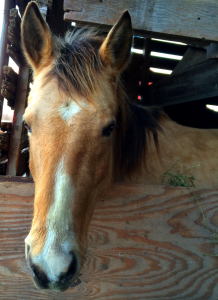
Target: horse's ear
(35, 36)
(115, 50)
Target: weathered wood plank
(192, 57)
(145, 242)
(72, 5)
(8, 4)
(14, 28)
(198, 82)
(192, 19)
(15, 179)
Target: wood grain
(145, 242)
(193, 19)
(75, 5)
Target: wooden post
(20, 105)
(3, 44)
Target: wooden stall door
(145, 242)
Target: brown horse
(84, 134)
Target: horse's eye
(108, 130)
(27, 127)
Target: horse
(84, 134)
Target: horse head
(72, 117)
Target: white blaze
(60, 238)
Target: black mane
(142, 124)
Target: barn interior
(175, 72)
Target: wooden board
(192, 57)
(189, 19)
(195, 83)
(8, 4)
(145, 242)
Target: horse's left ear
(35, 36)
(115, 50)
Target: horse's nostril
(72, 270)
(40, 277)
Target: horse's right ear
(115, 50)
(35, 36)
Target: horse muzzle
(57, 272)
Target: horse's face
(71, 155)
(71, 151)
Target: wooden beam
(145, 242)
(146, 34)
(192, 57)
(17, 179)
(198, 82)
(195, 20)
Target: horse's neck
(189, 147)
